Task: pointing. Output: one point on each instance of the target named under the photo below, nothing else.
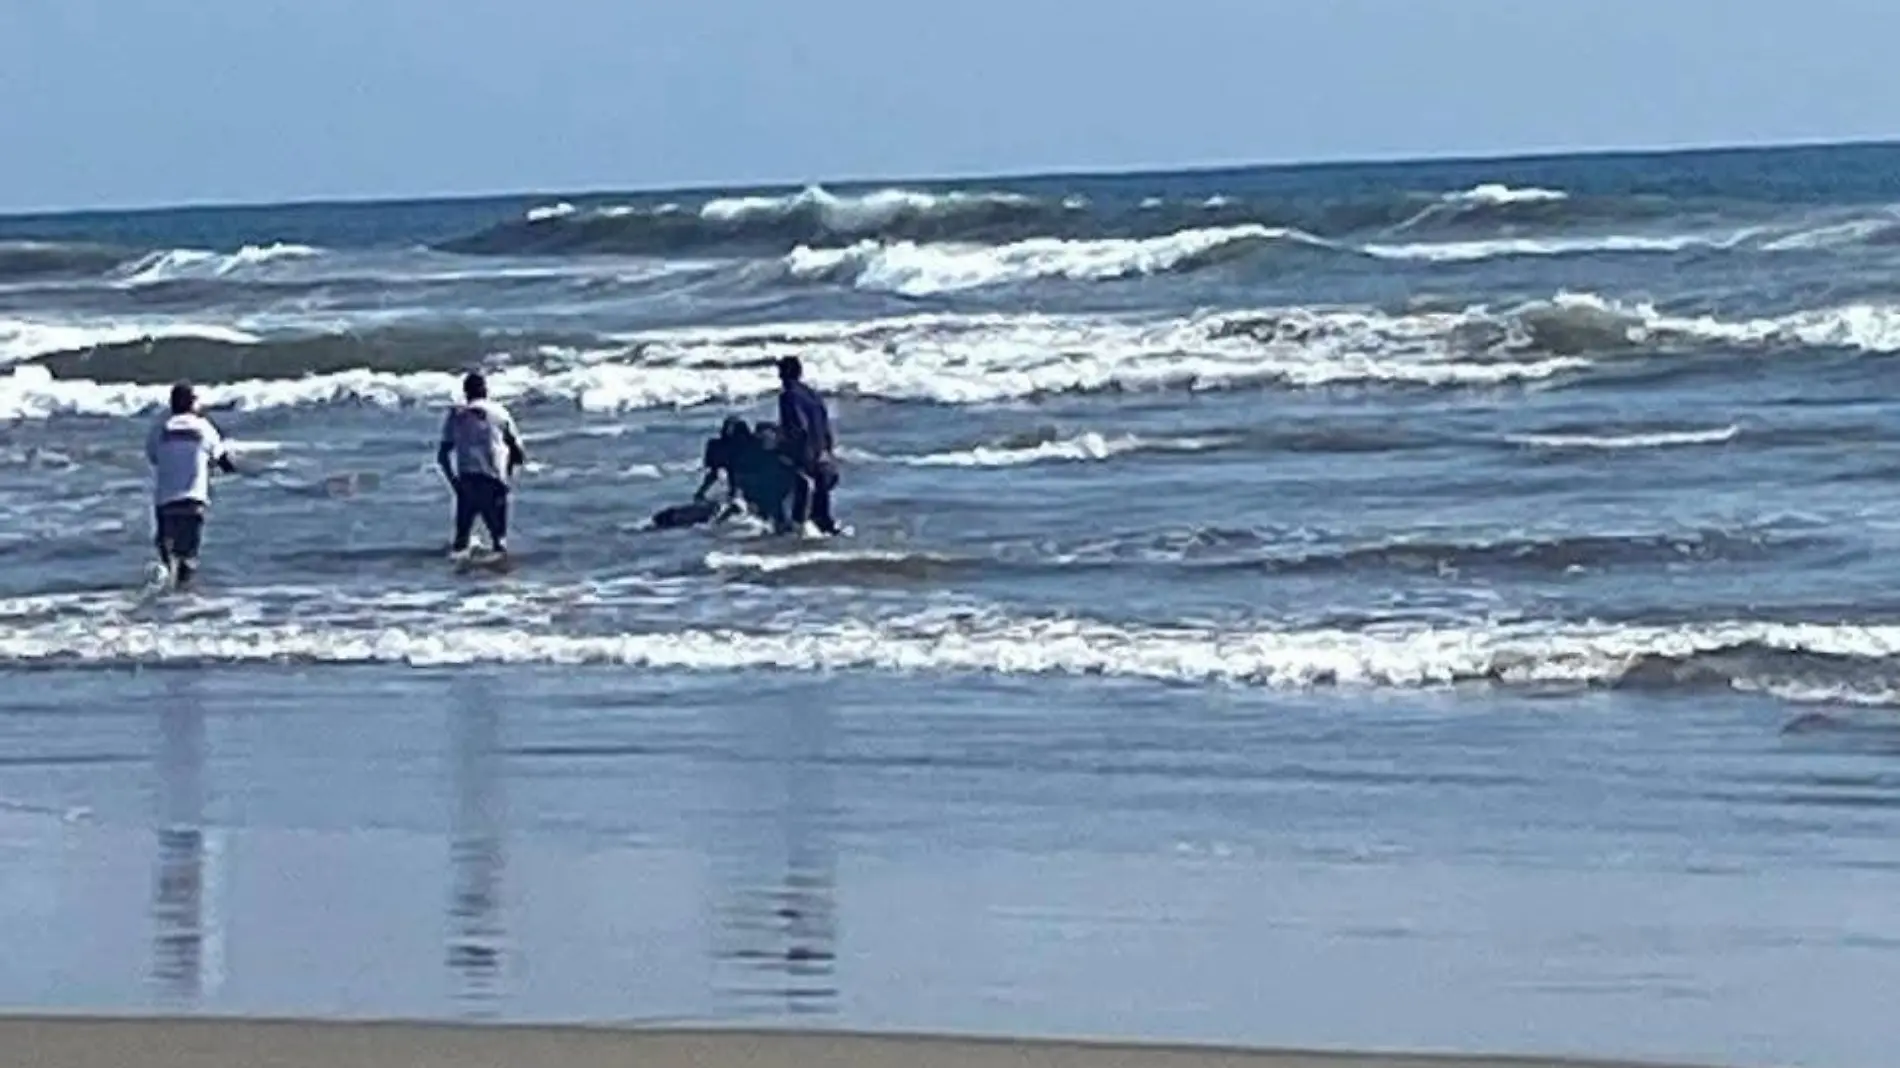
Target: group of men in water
(782, 472)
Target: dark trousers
(769, 492)
(179, 528)
(811, 495)
(480, 497)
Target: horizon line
(1205, 167)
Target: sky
(146, 102)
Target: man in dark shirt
(807, 444)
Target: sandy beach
(115, 1042)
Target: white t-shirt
(480, 433)
(182, 449)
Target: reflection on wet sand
(185, 937)
(476, 847)
(775, 851)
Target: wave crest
(172, 265)
(1814, 660)
(769, 224)
(116, 367)
(775, 224)
(914, 270)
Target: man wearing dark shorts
(479, 436)
(182, 448)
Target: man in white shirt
(182, 448)
(480, 437)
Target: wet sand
(159, 1042)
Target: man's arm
(446, 447)
(789, 423)
(220, 452)
(517, 456)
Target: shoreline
(58, 1040)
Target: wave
(1566, 554)
(27, 339)
(763, 223)
(1492, 203)
(814, 217)
(114, 367)
(125, 268)
(148, 356)
(1660, 439)
(1812, 660)
(1554, 245)
(854, 567)
(190, 277)
(1038, 448)
(1485, 221)
(196, 264)
(913, 270)
(25, 260)
(1211, 554)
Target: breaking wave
(175, 265)
(914, 270)
(118, 368)
(814, 217)
(1037, 448)
(1660, 439)
(1814, 661)
(763, 224)
(27, 339)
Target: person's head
(734, 429)
(474, 386)
(184, 399)
(790, 369)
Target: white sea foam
(1087, 446)
(856, 214)
(1656, 440)
(1499, 193)
(1402, 656)
(980, 359)
(918, 270)
(1835, 235)
(1503, 247)
(176, 264)
(23, 339)
(772, 563)
(1479, 199)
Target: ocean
(1434, 604)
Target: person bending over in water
(480, 435)
(724, 455)
(807, 446)
(182, 448)
(757, 478)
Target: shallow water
(1408, 605)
